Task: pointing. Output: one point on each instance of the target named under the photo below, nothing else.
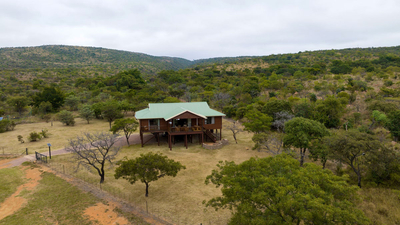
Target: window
(154, 124)
(210, 120)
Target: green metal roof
(168, 111)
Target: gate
(41, 157)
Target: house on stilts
(187, 121)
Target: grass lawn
(10, 179)
(177, 199)
(59, 135)
(55, 201)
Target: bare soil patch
(104, 214)
(15, 202)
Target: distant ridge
(61, 56)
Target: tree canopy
(277, 190)
(301, 132)
(147, 168)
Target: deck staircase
(210, 135)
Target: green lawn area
(10, 179)
(55, 201)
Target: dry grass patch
(59, 135)
(381, 206)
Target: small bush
(6, 125)
(66, 118)
(47, 117)
(45, 133)
(34, 136)
(20, 138)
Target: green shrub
(45, 133)
(66, 118)
(6, 125)
(34, 136)
(20, 138)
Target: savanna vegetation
(335, 111)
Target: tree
(7, 125)
(276, 190)
(257, 121)
(72, 102)
(272, 142)
(234, 127)
(280, 119)
(110, 111)
(49, 94)
(66, 118)
(127, 125)
(94, 150)
(393, 123)
(147, 168)
(45, 108)
(301, 132)
(19, 103)
(329, 112)
(86, 112)
(351, 147)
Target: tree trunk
(147, 189)
(359, 180)
(101, 178)
(127, 139)
(302, 152)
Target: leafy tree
(45, 108)
(257, 121)
(49, 94)
(86, 112)
(19, 103)
(66, 117)
(6, 125)
(329, 112)
(384, 167)
(382, 106)
(147, 168)
(127, 125)
(72, 102)
(378, 118)
(301, 132)
(276, 190)
(110, 111)
(274, 106)
(393, 123)
(350, 147)
(93, 150)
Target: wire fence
(10, 152)
(170, 215)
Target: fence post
(26, 151)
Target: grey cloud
(201, 29)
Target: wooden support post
(169, 142)
(158, 138)
(202, 138)
(186, 144)
(220, 134)
(141, 138)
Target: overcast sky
(202, 29)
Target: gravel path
(133, 139)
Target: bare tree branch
(94, 150)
